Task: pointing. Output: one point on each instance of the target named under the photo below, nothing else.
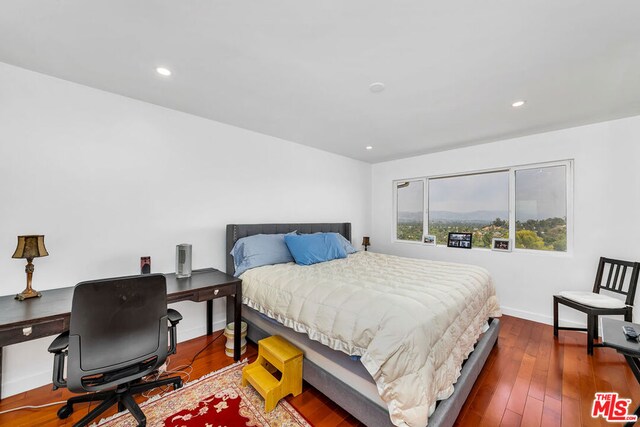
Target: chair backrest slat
(624, 272)
(608, 285)
(616, 282)
(615, 278)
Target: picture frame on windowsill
(460, 240)
(501, 245)
(429, 239)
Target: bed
(338, 374)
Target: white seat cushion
(593, 299)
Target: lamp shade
(365, 241)
(30, 247)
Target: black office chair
(118, 334)
(595, 304)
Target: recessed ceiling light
(163, 71)
(368, 147)
(376, 87)
(518, 104)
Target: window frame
(569, 192)
(569, 167)
(394, 184)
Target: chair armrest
(60, 343)
(58, 347)
(173, 316)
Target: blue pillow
(258, 250)
(310, 249)
(348, 247)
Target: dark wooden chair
(595, 304)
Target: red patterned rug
(215, 400)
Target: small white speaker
(183, 260)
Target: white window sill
(534, 252)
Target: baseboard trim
(189, 334)
(536, 317)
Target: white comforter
(413, 322)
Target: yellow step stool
(278, 353)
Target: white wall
(606, 211)
(108, 179)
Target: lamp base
(28, 293)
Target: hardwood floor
(530, 379)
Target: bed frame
(350, 399)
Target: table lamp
(365, 242)
(29, 247)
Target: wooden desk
(34, 318)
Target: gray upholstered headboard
(238, 231)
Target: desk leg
(237, 327)
(634, 364)
(209, 317)
(234, 311)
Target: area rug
(215, 400)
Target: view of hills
(476, 217)
(409, 217)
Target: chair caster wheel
(65, 411)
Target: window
(541, 208)
(477, 204)
(528, 204)
(410, 210)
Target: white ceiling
(301, 70)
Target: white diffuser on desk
(183, 260)
(228, 332)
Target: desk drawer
(220, 291)
(192, 296)
(32, 331)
